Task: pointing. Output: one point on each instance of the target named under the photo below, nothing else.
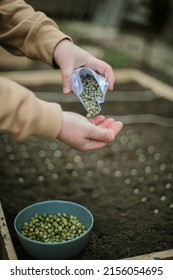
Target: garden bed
(127, 185)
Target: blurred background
(125, 33)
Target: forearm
(26, 32)
(23, 115)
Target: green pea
(91, 91)
(53, 227)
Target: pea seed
(53, 227)
(90, 93)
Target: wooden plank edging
(163, 255)
(38, 77)
(7, 250)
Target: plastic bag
(90, 96)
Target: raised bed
(127, 186)
(7, 251)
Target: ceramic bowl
(56, 250)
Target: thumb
(66, 80)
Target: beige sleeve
(23, 115)
(28, 33)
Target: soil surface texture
(128, 186)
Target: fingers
(111, 128)
(104, 136)
(107, 134)
(105, 123)
(116, 127)
(103, 69)
(97, 120)
(109, 75)
(66, 81)
(109, 123)
(106, 70)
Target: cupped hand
(85, 134)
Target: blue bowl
(57, 250)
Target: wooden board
(122, 76)
(7, 251)
(164, 255)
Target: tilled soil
(128, 186)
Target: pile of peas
(53, 227)
(91, 91)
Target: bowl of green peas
(54, 229)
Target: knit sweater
(25, 32)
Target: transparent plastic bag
(91, 96)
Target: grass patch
(119, 60)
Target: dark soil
(128, 186)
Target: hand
(88, 134)
(69, 57)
